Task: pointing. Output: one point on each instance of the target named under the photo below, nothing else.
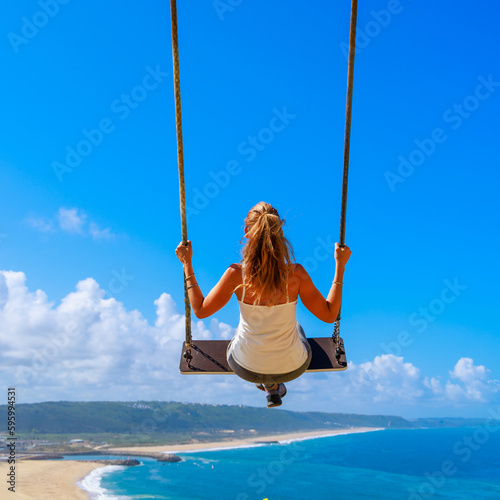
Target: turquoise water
(417, 464)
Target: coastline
(243, 443)
(80, 479)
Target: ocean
(453, 463)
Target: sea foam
(91, 483)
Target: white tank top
(266, 340)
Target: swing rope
(180, 156)
(347, 144)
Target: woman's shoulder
(299, 271)
(234, 272)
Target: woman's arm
(326, 310)
(219, 295)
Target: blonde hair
(267, 254)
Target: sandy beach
(47, 480)
(234, 443)
(57, 479)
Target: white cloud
(100, 234)
(468, 383)
(385, 378)
(473, 382)
(71, 220)
(466, 372)
(89, 347)
(42, 224)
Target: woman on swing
(269, 346)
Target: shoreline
(80, 479)
(251, 442)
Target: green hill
(151, 417)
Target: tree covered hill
(169, 417)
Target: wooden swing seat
(209, 357)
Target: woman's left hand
(184, 252)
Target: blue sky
(263, 94)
